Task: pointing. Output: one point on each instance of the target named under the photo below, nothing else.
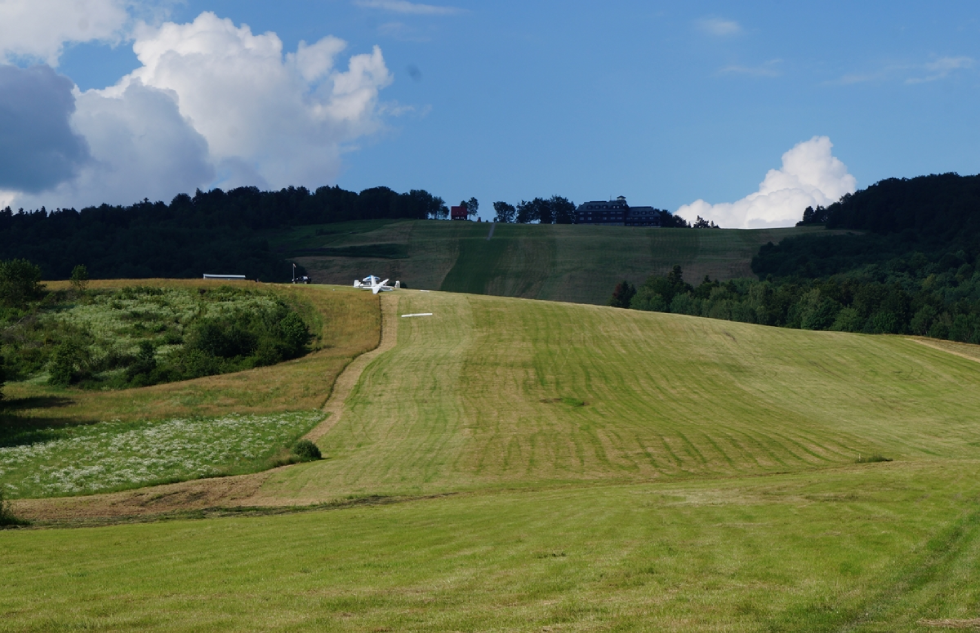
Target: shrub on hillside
(142, 336)
(20, 282)
(79, 278)
(307, 451)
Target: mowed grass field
(524, 465)
(505, 392)
(890, 547)
(574, 263)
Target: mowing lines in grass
(579, 263)
(508, 392)
(788, 552)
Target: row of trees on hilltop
(553, 210)
(561, 210)
(943, 206)
(214, 231)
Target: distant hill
(945, 206)
(900, 257)
(576, 263)
(914, 227)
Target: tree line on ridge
(907, 262)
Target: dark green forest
(908, 263)
(210, 232)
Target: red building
(457, 213)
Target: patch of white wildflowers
(112, 455)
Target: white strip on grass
(112, 455)
(405, 316)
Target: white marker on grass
(405, 316)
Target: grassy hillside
(524, 465)
(573, 263)
(57, 440)
(493, 391)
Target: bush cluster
(141, 336)
(307, 451)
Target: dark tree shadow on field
(34, 402)
(20, 430)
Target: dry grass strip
(952, 623)
(963, 350)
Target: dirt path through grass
(186, 496)
(346, 381)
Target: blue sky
(667, 103)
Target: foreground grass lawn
(878, 547)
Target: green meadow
(516, 465)
(574, 263)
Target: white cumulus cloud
(282, 117)
(38, 29)
(213, 104)
(810, 176)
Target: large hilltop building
(617, 213)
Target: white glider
(375, 284)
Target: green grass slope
(523, 465)
(573, 263)
(891, 547)
(503, 392)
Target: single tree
(472, 207)
(505, 212)
(562, 210)
(528, 212)
(20, 282)
(622, 295)
(79, 278)
(546, 211)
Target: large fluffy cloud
(215, 105)
(810, 176)
(40, 149)
(141, 147)
(281, 118)
(38, 29)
